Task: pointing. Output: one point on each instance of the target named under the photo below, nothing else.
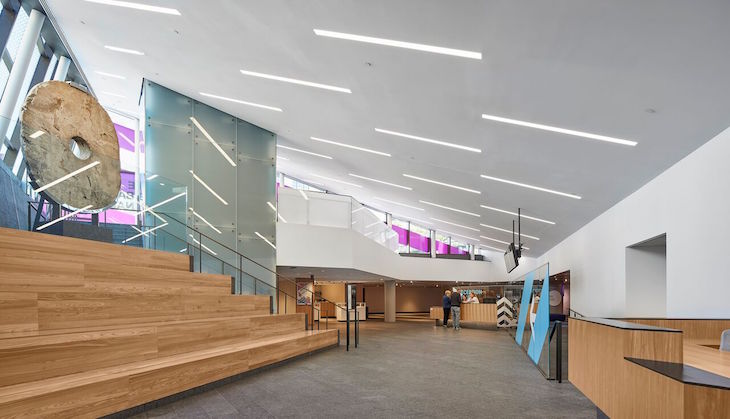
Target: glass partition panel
(419, 239)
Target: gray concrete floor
(406, 369)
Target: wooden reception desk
(631, 370)
(483, 314)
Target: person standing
(455, 308)
(446, 304)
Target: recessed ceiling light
(303, 151)
(411, 219)
(113, 94)
(373, 224)
(457, 234)
(508, 231)
(265, 239)
(114, 76)
(515, 214)
(449, 208)
(202, 182)
(398, 203)
(491, 247)
(350, 146)
(206, 221)
(66, 177)
(400, 44)
(336, 180)
(456, 225)
(138, 6)
(304, 195)
(212, 141)
(296, 81)
(71, 214)
(428, 140)
(282, 158)
(442, 183)
(242, 102)
(501, 241)
(37, 134)
(537, 188)
(124, 50)
(559, 130)
(381, 181)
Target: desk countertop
(684, 373)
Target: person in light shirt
(472, 299)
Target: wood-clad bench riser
(52, 247)
(39, 357)
(109, 390)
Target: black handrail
(575, 312)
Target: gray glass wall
(228, 167)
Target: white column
(20, 68)
(389, 309)
(62, 68)
(433, 242)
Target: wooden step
(49, 247)
(39, 357)
(108, 390)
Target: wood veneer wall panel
(108, 278)
(27, 275)
(648, 394)
(706, 402)
(479, 313)
(18, 313)
(691, 328)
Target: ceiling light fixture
(381, 181)
(508, 231)
(124, 50)
(152, 177)
(202, 245)
(212, 141)
(282, 158)
(428, 140)
(449, 208)
(537, 188)
(322, 140)
(335, 180)
(515, 214)
(71, 214)
(205, 221)
(144, 233)
(273, 208)
(303, 151)
(398, 203)
(242, 102)
(296, 81)
(456, 225)
(66, 177)
(373, 224)
(202, 182)
(501, 241)
(114, 76)
(442, 183)
(301, 192)
(399, 44)
(458, 235)
(159, 204)
(493, 248)
(560, 130)
(37, 134)
(411, 219)
(137, 6)
(265, 239)
(183, 250)
(113, 94)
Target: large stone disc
(56, 115)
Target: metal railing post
(559, 352)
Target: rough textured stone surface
(63, 112)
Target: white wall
(646, 281)
(690, 202)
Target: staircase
(90, 328)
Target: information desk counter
(342, 315)
(472, 313)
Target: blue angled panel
(524, 306)
(542, 320)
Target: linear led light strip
(495, 248)
(143, 233)
(202, 182)
(428, 140)
(559, 130)
(125, 138)
(212, 141)
(501, 241)
(296, 81)
(273, 208)
(183, 250)
(303, 151)
(373, 224)
(301, 192)
(515, 214)
(124, 50)
(265, 239)
(66, 177)
(399, 44)
(205, 221)
(115, 76)
(113, 94)
(508, 231)
(367, 150)
(137, 6)
(256, 105)
(458, 235)
(537, 188)
(442, 184)
(207, 249)
(63, 218)
(456, 225)
(449, 208)
(358, 209)
(411, 219)
(335, 180)
(37, 134)
(161, 203)
(152, 177)
(398, 203)
(381, 181)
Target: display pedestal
(80, 231)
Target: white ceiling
(654, 71)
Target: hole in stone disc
(80, 148)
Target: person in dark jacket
(446, 304)
(455, 308)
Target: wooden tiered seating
(88, 328)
